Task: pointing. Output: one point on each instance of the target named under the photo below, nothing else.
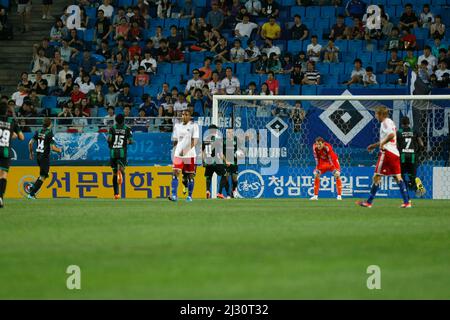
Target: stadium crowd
(147, 58)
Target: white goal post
(224, 102)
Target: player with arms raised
(45, 142)
(326, 161)
(8, 131)
(388, 163)
(119, 138)
(185, 137)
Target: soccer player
(326, 161)
(119, 138)
(388, 163)
(231, 160)
(409, 143)
(213, 161)
(8, 131)
(185, 137)
(45, 142)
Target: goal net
(276, 134)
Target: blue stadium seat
(294, 46)
(421, 33)
(136, 91)
(337, 68)
(197, 56)
(5, 4)
(49, 102)
(298, 10)
(366, 57)
(128, 79)
(323, 68)
(349, 67)
(195, 65)
(102, 112)
(283, 79)
(381, 66)
(287, 3)
(381, 78)
(156, 22)
(243, 68)
(126, 3)
(392, 78)
(309, 90)
(313, 11)
(348, 56)
(183, 23)
(322, 24)
(328, 12)
(91, 12)
(293, 90)
(165, 68)
(169, 22)
(88, 35)
(395, 3)
(200, 3)
(330, 79)
(355, 45)
(342, 45)
(439, 2)
(225, 65)
(252, 78)
(179, 68)
(379, 56)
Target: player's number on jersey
(4, 138)
(373, 17)
(74, 20)
(40, 146)
(208, 150)
(408, 142)
(118, 142)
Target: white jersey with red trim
(184, 133)
(387, 127)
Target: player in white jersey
(185, 137)
(388, 163)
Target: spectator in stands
(79, 121)
(442, 69)
(408, 40)
(166, 107)
(164, 10)
(24, 10)
(393, 41)
(314, 49)
(103, 27)
(432, 60)
(40, 85)
(206, 70)
(214, 85)
(68, 86)
(269, 48)
(443, 57)
(424, 71)
(437, 46)
(221, 50)
(220, 70)
(253, 7)
(175, 54)
(141, 123)
(135, 33)
(96, 97)
(40, 62)
(245, 28)
(56, 64)
(408, 19)
(410, 58)
(188, 10)
(270, 8)
(88, 64)
(19, 95)
(76, 94)
(358, 31)
(142, 79)
(311, 76)
(386, 27)
(116, 21)
(165, 91)
(274, 63)
(230, 85)
(369, 78)
(437, 29)
(198, 103)
(104, 50)
(163, 51)
(331, 52)
(144, 7)
(125, 99)
(297, 74)
(120, 64)
(357, 73)
(251, 89)
(139, 18)
(110, 73)
(67, 52)
(215, 17)
(194, 32)
(107, 9)
(122, 29)
(252, 52)
(355, 8)
(394, 64)
(271, 29)
(35, 101)
(149, 63)
(58, 31)
(272, 83)
(175, 37)
(302, 59)
(66, 113)
(133, 66)
(286, 64)
(180, 105)
(112, 97)
(262, 65)
(49, 50)
(339, 30)
(297, 116)
(426, 17)
(237, 54)
(195, 83)
(24, 81)
(120, 47)
(86, 84)
(74, 41)
(109, 119)
(298, 31)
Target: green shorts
(4, 164)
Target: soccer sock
(373, 192)
(316, 186)
(208, 183)
(403, 191)
(223, 183)
(2, 187)
(115, 185)
(37, 185)
(174, 186)
(339, 186)
(185, 181)
(235, 183)
(190, 186)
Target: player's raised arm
(56, 149)
(30, 148)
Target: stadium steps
(16, 54)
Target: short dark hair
(320, 139)
(404, 121)
(120, 119)
(427, 47)
(3, 109)
(369, 69)
(357, 60)
(47, 122)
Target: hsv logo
(277, 126)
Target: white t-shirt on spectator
(214, 87)
(361, 72)
(275, 49)
(18, 97)
(372, 79)
(230, 86)
(255, 53)
(108, 10)
(86, 87)
(192, 83)
(253, 6)
(178, 106)
(439, 73)
(62, 76)
(245, 29)
(237, 54)
(151, 62)
(432, 61)
(314, 48)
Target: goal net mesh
(282, 164)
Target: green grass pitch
(224, 249)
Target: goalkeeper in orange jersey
(326, 160)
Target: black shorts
(232, 169)
(47, 2)
(409, 168)
(116, 162)
(219, 169)
(44, 166)
(4, 164)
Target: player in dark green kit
(230, 148)
(8, 131)
(409, 143)
(45, 143)
(119, 138)
(213, 161)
